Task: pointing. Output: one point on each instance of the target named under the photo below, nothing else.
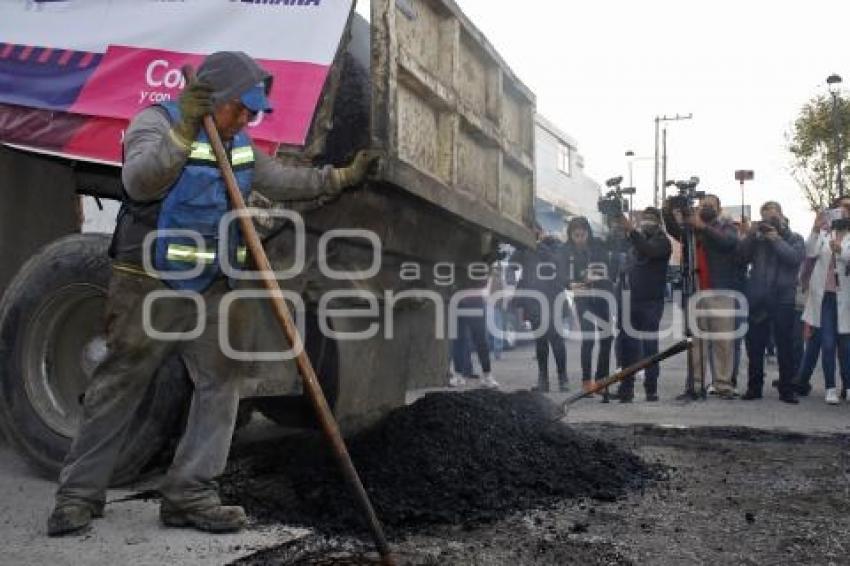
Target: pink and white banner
(102, 61)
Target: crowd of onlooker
(757, 285)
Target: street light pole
(834, 82)
(658, 120)
(655, 183)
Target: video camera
(837, 221)
(687, 197)
(612, 204)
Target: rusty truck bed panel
(456, 122)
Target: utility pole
(664, 165)
(658, 120)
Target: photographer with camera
(774, 254)
(715, 267)
(644, 281)
(827, 309)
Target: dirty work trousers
(119, 384)
(721, 350)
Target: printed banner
(102, 61)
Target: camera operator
(827, 310)
(774, 254)
(543, 270)
(716, 269)
(644, 282)
(590, 267)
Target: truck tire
(51, 321)
(297, 411)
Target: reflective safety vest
(196, 203)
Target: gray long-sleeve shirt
(154, 158)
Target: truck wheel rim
(62, 345)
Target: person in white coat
(828, 304)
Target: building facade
(562, 189)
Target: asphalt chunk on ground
(449, 458)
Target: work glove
(363, 163)
(195, 103)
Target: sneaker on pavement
(69, 518)
(213, 519)
(457, 381)
(489, 382)
(832, 396)
(751, 395)
(711, 390)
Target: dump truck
(419, 82)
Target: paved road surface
(130, 535)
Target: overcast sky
(602, 70)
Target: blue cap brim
(255, 99)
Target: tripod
(689, 287)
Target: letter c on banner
(151, 69)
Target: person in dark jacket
(717, 269)
(544, 271)
(774, 253)
(644, 281)
(591, 268)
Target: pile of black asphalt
(449, 458)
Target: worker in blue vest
(167, 239)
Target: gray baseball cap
(232, 74)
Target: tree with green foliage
(814, 152)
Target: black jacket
(720, 240)
(579, 263)
(775, 266)
(646, 265)
(550, 279)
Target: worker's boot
(215, 518)
(70, 518)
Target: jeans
(827, 340)
(559, 351)
(645, 317)
(474, 327)
(596, 333)
(496, 343)
(778, 321)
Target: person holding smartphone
(827, 309)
